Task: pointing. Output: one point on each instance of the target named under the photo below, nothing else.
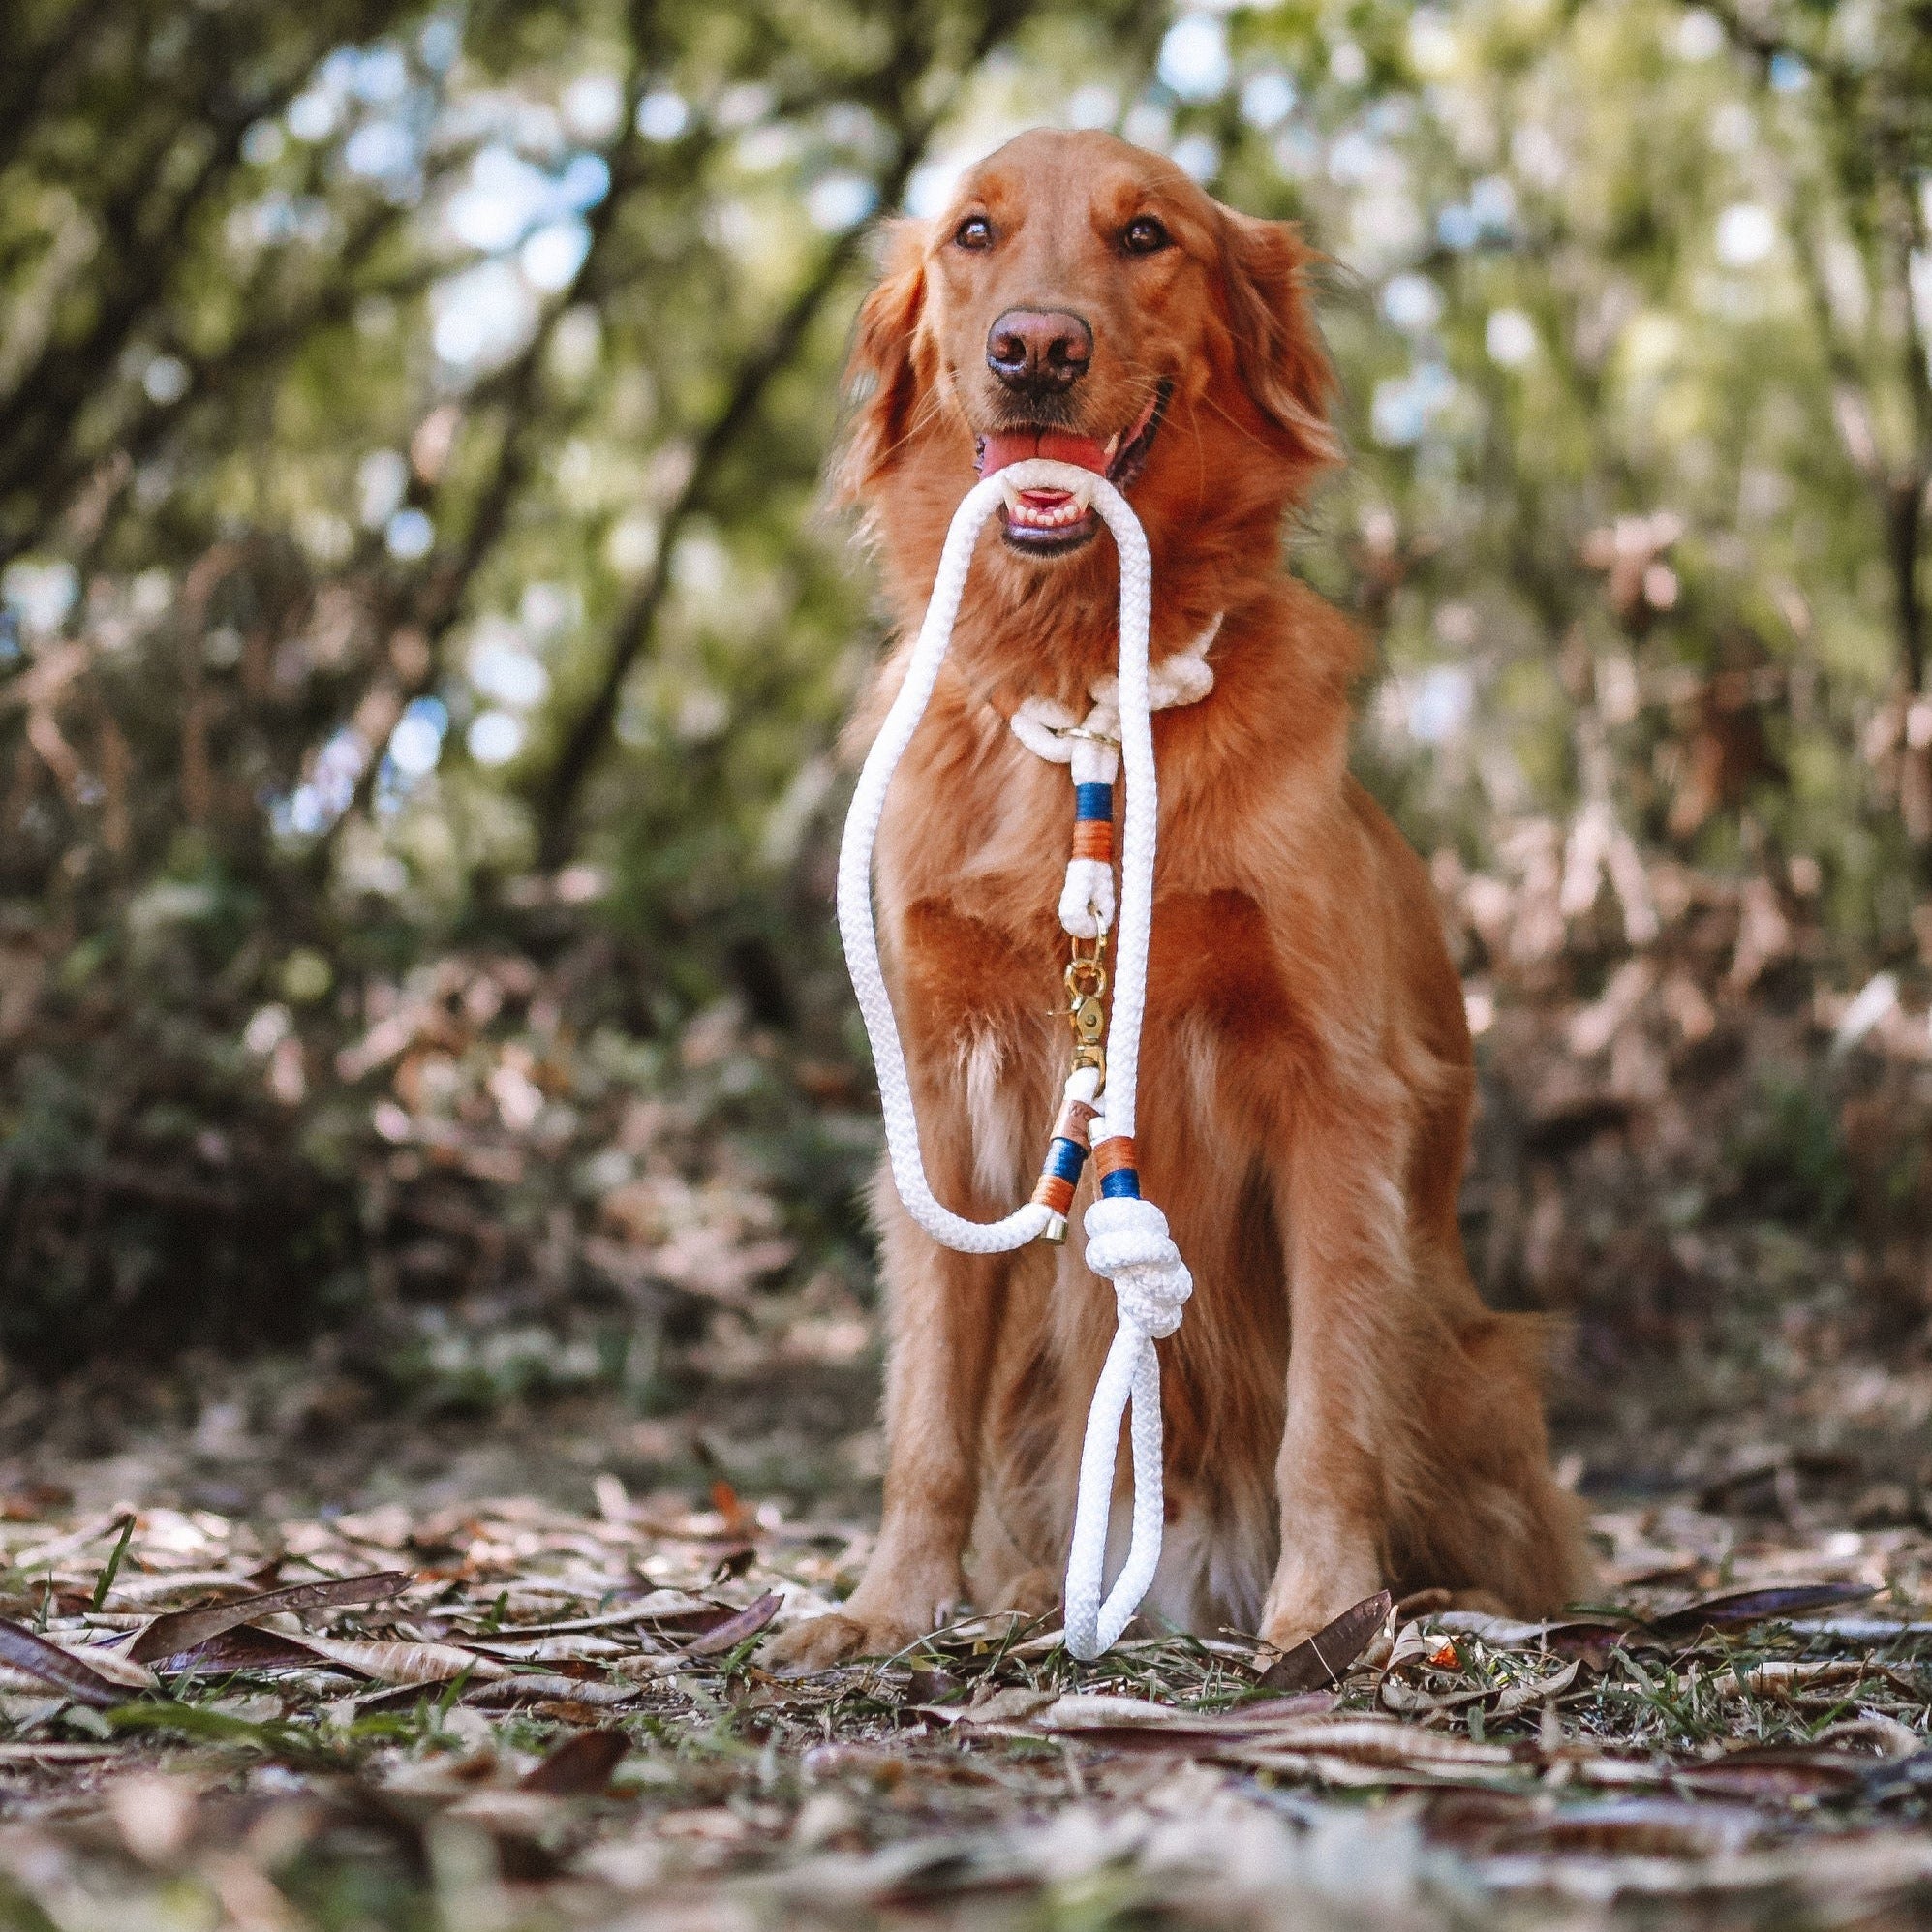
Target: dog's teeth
(1046, 516)
(1113, 444)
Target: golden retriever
(1342, 1410)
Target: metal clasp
(1086, 991)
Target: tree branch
(151, 235)
(1870, 156)
(558, 799)
(557, 803)
(36, 72)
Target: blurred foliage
(422, 648)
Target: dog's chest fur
(987, 1006)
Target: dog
(1341, 1411)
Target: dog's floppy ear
(881, 378)
(1280, 356)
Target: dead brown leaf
(734, 1630)
(578, 1767)
(51, 1665)
(1324, 1657)
(179, 1631)
(1736, 1609)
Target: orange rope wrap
(1094, 838)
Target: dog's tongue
(1017, 445)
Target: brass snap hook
(1085, 990)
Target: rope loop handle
(1128, 1240)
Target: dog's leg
(1356, 1329)
(944, 1312)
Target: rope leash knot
(1128, 1242)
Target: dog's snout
(1039, 349)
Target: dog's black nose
(1039, 349)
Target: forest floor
(277, 1655)
(455, 1622)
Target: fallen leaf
(40, 1558)
(1133, 1723)
(580, 1766)
(1860, 1629)
(177, 1631)
(56, 1754)
(396, 1663)
(663, 1610)
(1737, 1609)
(1524, 1690)
(1884, 1737)
(51, 1665)
(1266, 1712)
(1790, 1678)
(512, 1692)
(1012, 1705)
(734, 1630)
(246, 1648)
(1772, 1771)
(577, 1645)
(927, 1688)
(1084, 1711)
(1383, 1740)
(1590, 1638)
(1322, 1659)
(110, 1661)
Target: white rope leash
(1127, 1237)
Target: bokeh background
(424, 643)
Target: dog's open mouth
(1044, 522)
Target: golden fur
(1307, 1079)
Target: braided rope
(1127, 1237)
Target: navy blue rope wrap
(1065, 1158)
(1093, 801)
(1123, 1183)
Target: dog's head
(1084, 300)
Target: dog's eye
(1144, 235)
(976, 232)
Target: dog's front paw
(1297, 1609)
(835, 1637)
